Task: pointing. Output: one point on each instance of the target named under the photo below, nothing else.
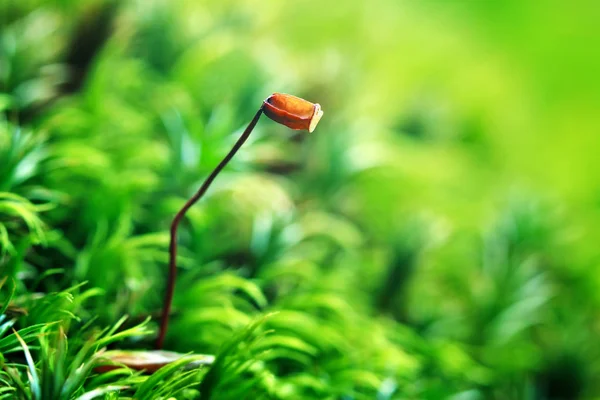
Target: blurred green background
(435, 237)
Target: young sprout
(288, 110)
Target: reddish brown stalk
(179, 216)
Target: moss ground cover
(435, 237)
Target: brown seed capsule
(292, 111)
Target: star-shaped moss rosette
(288, 110)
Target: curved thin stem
(179, 216)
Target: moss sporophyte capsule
(292, 111)
(288, 110)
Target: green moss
(435, 237)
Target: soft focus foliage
(435, 237)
